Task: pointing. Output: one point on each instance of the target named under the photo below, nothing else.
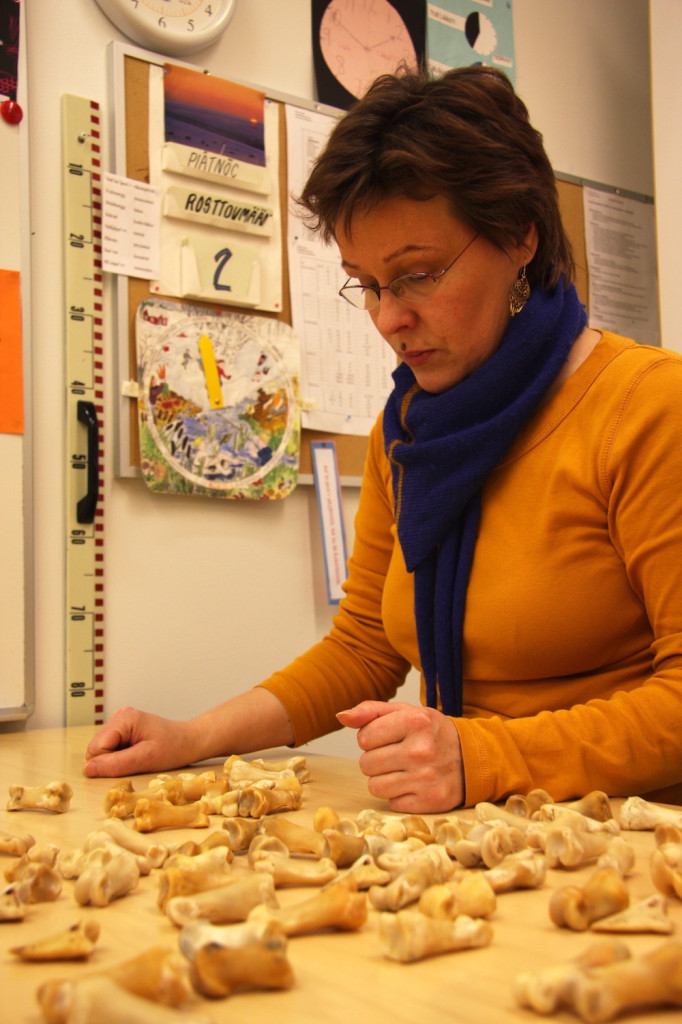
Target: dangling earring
(520, 293)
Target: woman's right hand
(135, 741)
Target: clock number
(162, 22)
(221, 259)
(190, 25)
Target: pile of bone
(433, 889)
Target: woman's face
(446, 336)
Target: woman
(519, 533)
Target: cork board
(350, 449)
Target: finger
(119, 763)
(105, 741)
(365, 712)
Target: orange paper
(11, 377)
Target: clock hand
(355, 39)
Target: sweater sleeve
(628, 742)
(355, 661)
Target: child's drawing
(219, 406)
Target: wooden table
(341, 978)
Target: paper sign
(130, 227)
(222, 211)
(328, 488)
(11, 374)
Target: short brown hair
(466, 135)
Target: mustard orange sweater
(573, 625)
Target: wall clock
(174, 27)
(355, 41)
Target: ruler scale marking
(84, 670)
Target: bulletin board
(131, 94)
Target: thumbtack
(11, 111)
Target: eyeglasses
(410, 287)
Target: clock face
(480, 34)
(174, 27)
(362, 39)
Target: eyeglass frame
(377, 289)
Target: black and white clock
(173, 27)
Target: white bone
(107, 875)
(639, 814)
(227, 904)
(410, 935)
(99, 1000)
(55, 796)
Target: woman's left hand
(412, 755)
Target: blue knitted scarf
(442, 448)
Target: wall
(205, 598)
(666, 103)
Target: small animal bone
(188, 787)
(240, 832)
(39, 853)
(485, 811)
(241, 773)
(639, 814)
(577, 907)
(447, 832)
(551, 988)
(269, 854)
(36, 882)
(107, 875)
(100, 1000)
(342, 848)
(55, 796)
(522, 870)
(641, 982)
(15, 846)
(138, 843)
(364, 873)
(488, 842)
(254, 802)
(187, 875)
(566, 848)
(562, 814)
(595, 805)
(72, 863)
(226, 904)
(258, 768)
(153, 814)
(12, 906)
(297, 838)
(399, 854)
(217, 971)
(75, 943)
(296, 763)
(157, 974)
(241, 933)
(429, 867)
(619, 854)
(469, 893)
(339, 906)
(665, 864)
(327, 817)
(121, 799)
(410, 935)
(526, 804)
(648, 915)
